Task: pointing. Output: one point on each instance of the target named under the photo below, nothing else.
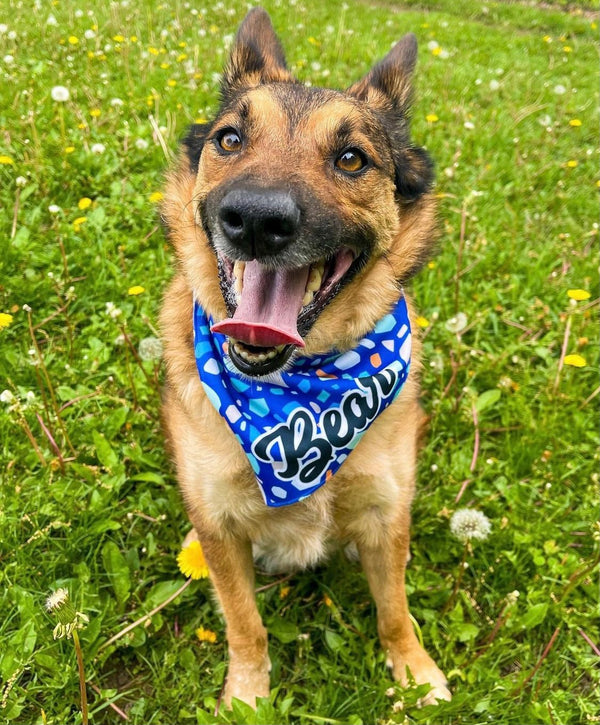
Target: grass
(506, 104)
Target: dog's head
(311, 203)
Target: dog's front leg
(232, 573)
(384, 564)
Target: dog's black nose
(260, 222)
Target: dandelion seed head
(141, 144)
(60, 94)
(54, 209)
(57, 599)
(150, 348)
(98, 149)
(467, 524)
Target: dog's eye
(351, 161)
(230, 141)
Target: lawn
(507, 105)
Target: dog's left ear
(387, 89)
(256, 56)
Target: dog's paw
(417, 667)
(246, 682)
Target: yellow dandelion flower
(201, 120)
(181, 57)
(436, 51)
(91, 54)
(575, 122)
(69, 149)
(73, 39)
(422, 322)
(431, 118)
(133, 39)
(118, 38)
(6, 160)
(191, 561)
(183, 44)
(5, 320)
(572, 163)
(327, 601)
(577, 361)
(155, 197)
(578, 294)
(164, 66)
(153, 51)
(567, 48)
(283, 592)
(214, 29)
(547, 39)
(137, 289)
(171, 83)
(431, 265)
(78, 222)
(84, 203)
(95, 112)
(206, 635)
(593, 25)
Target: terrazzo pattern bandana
(299, 426)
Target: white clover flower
(141, 144)
(150, 348)
(112, 310)
(98, 148)
(89, 34)
(467, 524)
(7, 397)
(60, 94)
(54, 209)
(51, 20)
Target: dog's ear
(387, 89)
(256, 56)
(388, 84)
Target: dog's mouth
(272, 310)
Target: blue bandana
(298, 426)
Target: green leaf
(335, 641)
(104, 452)
(534, 615)
(284, 630)
(487, 399)
(117, 570)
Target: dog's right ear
(256, 56)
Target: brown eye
(351, 161)
(230, 141)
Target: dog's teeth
(238, 276)
(314, 278)
(308, 298)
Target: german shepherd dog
(297, 215)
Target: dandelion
(9, 59)
(559, 89)
(21, 181)
(327, 601)
(116, 102)
(69, 621)
(5, 320)
(78, 222)
(6, 161)
(141, 144)
(494, 85)
(457, 323)
(469, 125)
(155, 197)
(206, 635)
(578, 294)
(84, 203)
(73, 40)
(150, 348)
(422, 322)
(575, 122)
(572, 164)
(3, 28)
(431, 118)
(467, 524)
(54, 209)
(191, 561)
(89, 34)
(577, 361)
(137, 289)
(95, 112)
(60, 94)
(98, 149)
(69, 149)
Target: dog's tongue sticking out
(269, 306)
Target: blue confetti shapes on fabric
(300, 425)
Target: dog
(292, 395)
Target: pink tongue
(269, 306)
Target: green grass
(88, 496)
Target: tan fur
(368, 501)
